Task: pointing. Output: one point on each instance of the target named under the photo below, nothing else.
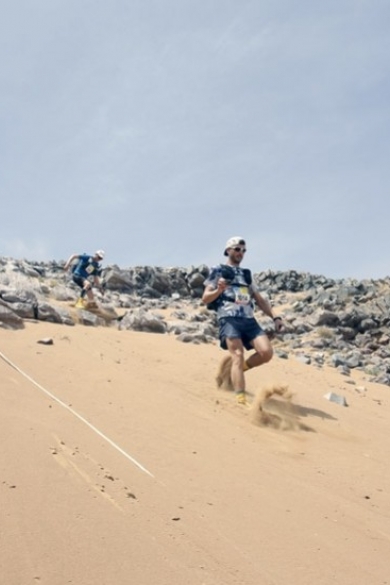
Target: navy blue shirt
(86, 266)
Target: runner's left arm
(263, 304)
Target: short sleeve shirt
(87, 266)
(237, 299)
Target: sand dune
(121, 462)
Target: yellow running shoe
(241, 398)
(80, 303)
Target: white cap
(233, 242)
(100, 253)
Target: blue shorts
(239, 328)
(79, 280)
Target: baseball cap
(100, 253)
(233, 242)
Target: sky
(157, 129)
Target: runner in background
(86, 273)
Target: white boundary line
(77, 415)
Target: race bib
(90, 269)
(242, 295)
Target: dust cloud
(273, 407)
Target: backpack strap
(247, 276)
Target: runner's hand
(222, 284)
(278, 324)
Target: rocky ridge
(341, 323)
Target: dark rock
(140, 320)
(9, 319)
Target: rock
(142, 321)
(25, 310)
(46, 341)
(344, 370)
(324, 318)
(47, 312)
(9, 319)
(196, 280)
(336, 398)
(337, 360)
(304, 359)
(90, 319)
(353, 360)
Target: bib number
(242, 296)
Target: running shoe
(241, 398)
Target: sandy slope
(144, 473)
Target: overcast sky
(157, 129)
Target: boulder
(9, 319)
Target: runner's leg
(236, 350)
(263, 352)
(88, 290)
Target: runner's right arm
(215, 285)
(211, 293)
(70, 260)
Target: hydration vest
(229, 274)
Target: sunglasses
(238, 249)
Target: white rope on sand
(77, 415)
